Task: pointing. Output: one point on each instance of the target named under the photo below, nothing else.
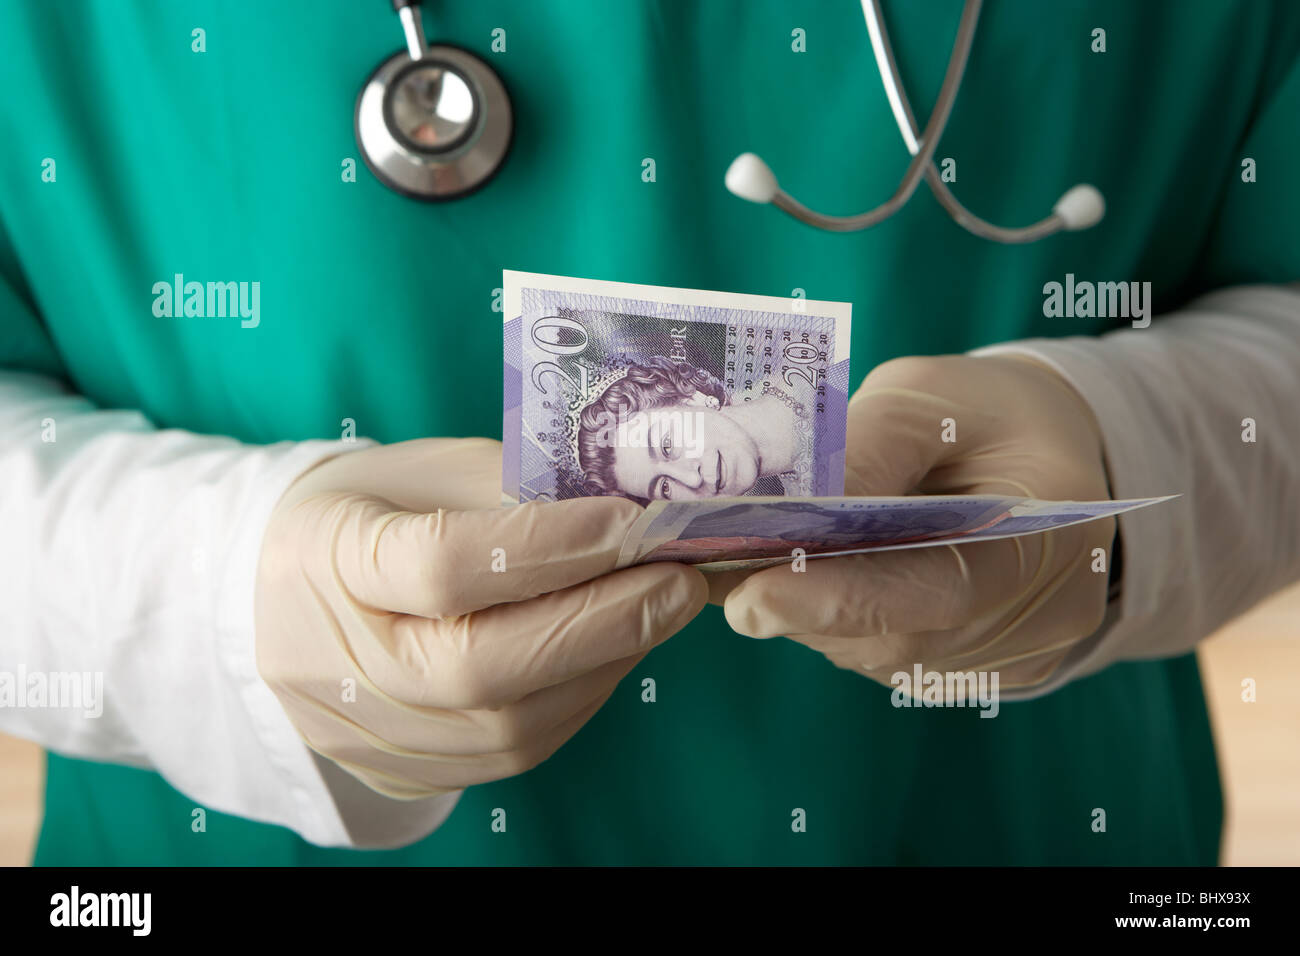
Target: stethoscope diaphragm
(433, 122)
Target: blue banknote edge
(1125, 505)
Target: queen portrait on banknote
(669, 430)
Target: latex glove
(1015, 606)
(400, 654)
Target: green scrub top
(230, 165)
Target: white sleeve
(128, 557)
(1204, 403)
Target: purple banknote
(664, 394)
(757, 532)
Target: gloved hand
(1015, 606)
(403, 656)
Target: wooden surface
(1259, 743)
(22, 784)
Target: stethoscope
(435, 123)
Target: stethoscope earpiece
(432, 122)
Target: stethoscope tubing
(922, 157)
(906, 121)
(1080, 207)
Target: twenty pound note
(663, 394)
(749, 533)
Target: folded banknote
(658, 393)
(749, 533)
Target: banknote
(666, 394)
(725, 415)
(748, 533)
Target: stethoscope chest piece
(436, 125)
